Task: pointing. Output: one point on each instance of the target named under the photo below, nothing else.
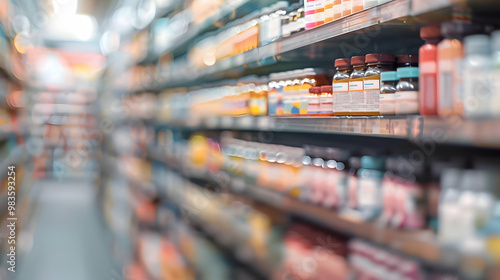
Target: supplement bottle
(352, 181)
(340, 87)
(259, 98)
(370, 186)
(478, 69)
(319, 12)
(495, 44)
(337, 9)
(272, 101)
(407, 96)
(313, 103)
(428, 69)
(310, 10)
(328, 11)
(326, 101)
(407, 60)
(311, 77)
(450, 76)
(356, 92)
(370, 3)
(376, 64)
(389, 81)
(346, 7)
(357, 6)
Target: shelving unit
(392, 27)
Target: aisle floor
(70, 239)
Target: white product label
(369, 194)
(407, 102)
(313, 105)
(387, 103)
(355, 86)
(320, 15)
(326, 104)
(340, 87)
(371, 84)
(446, 84)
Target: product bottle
(478, 69)
(310, 10)
(450, 56)
(319, 12)
(356, 92)
(428, 69)
(280, 88)
(259, 98)
(340, 87)
(357, 6)
(328, 11)
(389, 81)
(337, 9)
(300, 21)
(326, 101)
(407, 60)
(352, 181)
(272, 100)
(407, 96)
(495, 44)
(370, 3)
(370, 186)
(346, 7)
(376, 63)
(313, 104)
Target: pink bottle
(428, 67)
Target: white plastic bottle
(478, 69)
(495, 46)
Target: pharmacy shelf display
(198, 130)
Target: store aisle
(70, 239)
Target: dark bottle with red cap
(429, 69)
(356, 92)
(376, 63)
(340, 87)
(407, 60)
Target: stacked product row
(257, 236)
(371, 85)
(393, 190)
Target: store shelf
(185, 74)
(421, 245)
(182, 40)
(483, 133)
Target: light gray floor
(70, 240)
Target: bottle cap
(379, 57)
(355, 162)
(430, 32)
(342, 62)
(389, 76)
(407, 72)
(358, 60)
(326, 89)
(477, 44)
(370, 162)
(407, 58)
(316, 90)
